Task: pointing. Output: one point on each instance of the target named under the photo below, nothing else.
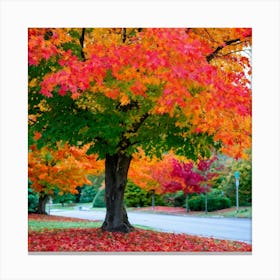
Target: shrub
(168, 199)
(65, 198)
(214, 202)
(197, 203)
(134, 196)
(180, 199)
(99, 199)
(87, 194)
(159, 199)
(217, 203)
(33, 201)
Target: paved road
(238, 229)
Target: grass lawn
(61, 234)
(69, 206)
(37, 223)
(244, 212)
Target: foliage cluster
(197, 203)
(135, 196)
(155, 88)
(95, 240)
(33, 200)
(226, 180)
(64, 168)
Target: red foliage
(184, 178)
(96, 240)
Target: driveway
(238, 229)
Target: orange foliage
(202, 71)
(151, 173)
(65, 168)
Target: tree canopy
(156, 88)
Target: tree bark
(116, 169)
(43, 199)
(187, 203)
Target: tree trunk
(43, 199)
(206, 203)
(153, 199)
(116, 169)
(187, 203)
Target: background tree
(63, 169)
(227, 180)
(189, 179)
(119, 89)
(151, 173)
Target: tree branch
(82, 39)
(210, 37)
(125, 142)
(218, 49)
(123, 35)
(230, 53)
(138, 124)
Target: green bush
(217, 203)
(177, 199)
(65, 198)
(214, 202)
(197, 203)
(87, 194)
(33, 201)
(180, 199)
(134, 196)
(99, 199)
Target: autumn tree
(119, 89)
(63, 169)
(172, 173)
(152, 173)
(169, 174)
(185, 178)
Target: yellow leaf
(124, 99)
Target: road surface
(238, 229)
